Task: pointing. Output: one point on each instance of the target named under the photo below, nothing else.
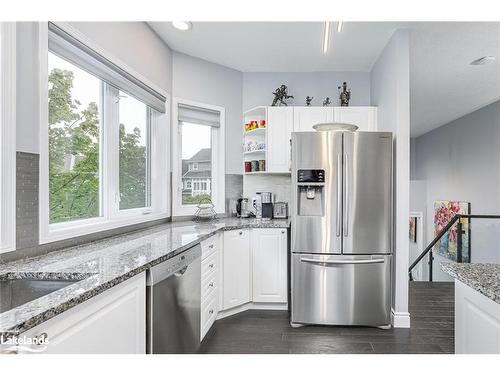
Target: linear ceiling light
(339, 26)
(326, 37)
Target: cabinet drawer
(209, 246)
(209, 265)
(208, 285)
(208, 314)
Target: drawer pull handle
(211, 246)
(211, 284)
(211, 312)
(211, 265)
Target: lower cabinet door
(269, 260)
(236, 268)
(113, 322)
(208, 314)
(477, 322)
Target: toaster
(280, 210)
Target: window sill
(64, 231)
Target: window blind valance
(69, 48)
(197, 115)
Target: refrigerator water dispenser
(310, 192)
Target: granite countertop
(102, 264)
(483, 277)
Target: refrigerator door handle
(346, 195)
(327, 262)
(339, 194)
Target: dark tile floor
(258, 331)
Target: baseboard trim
(400, 319)
(251, 306)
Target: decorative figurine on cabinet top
(280, 95)
(327, 102)
(344, 95)
(309, 100)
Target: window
(134, 153)
(7, 136)
(196, 145)
(74, 142)
(198, 149)
(103, 160)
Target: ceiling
(443, 85)
(281, 46)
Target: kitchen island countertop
(482, 277)
(102, 264)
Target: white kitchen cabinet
(269, 265)
(113, 322)
(236, 268)
(210, 269)
(279, 134)
(477, 322)
(364, 117)
(305, 117)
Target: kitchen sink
(16, 292)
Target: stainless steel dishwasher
(173, 304)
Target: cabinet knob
(282, 232)
(211, 265)
(211, 284)
(241, 232)
(211, 246)
(211, 312)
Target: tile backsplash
(279, 185)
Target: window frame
(218, 160)
(111, 216)
(7, 137)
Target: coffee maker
(267, 205)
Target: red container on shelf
(248, 166)
(262, 124)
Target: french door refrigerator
(341, 228)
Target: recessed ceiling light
(182, 25)
(326, 37)
(483, 60)
(339, 26)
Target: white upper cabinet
(269, 267)
(305, 117)
(364, 117)
(236, 268)
(279, 134)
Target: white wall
(258, 87)
(134, 43)
(209, 83)
(461, 161)
(390, 91)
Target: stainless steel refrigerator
(341, 228)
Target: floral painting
(444, 211)
(413, 229)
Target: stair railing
(428, 249)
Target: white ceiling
(281, 46)
(443, 85)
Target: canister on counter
(255, 165)
(248, 166)
(262, 165)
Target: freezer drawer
(341, 289)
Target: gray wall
(258, 87)
(390, 91)
(209, 83)
(461, 161)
